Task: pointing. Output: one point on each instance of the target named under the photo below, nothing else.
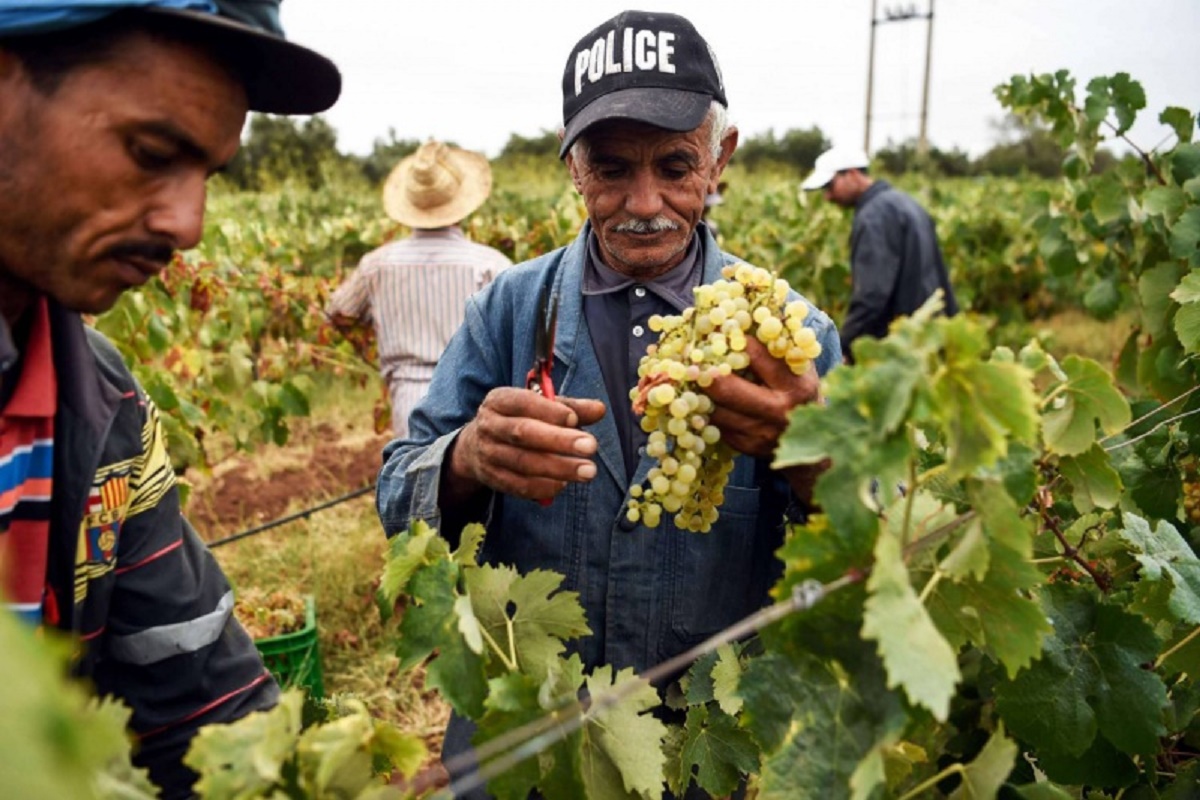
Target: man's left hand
(752, 416)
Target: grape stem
(917, 791)
(1182, 643)
(511, 665)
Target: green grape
(693, 349)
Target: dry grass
(1075, 333)
(337, 555)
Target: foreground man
(646, 139)
(112, 117)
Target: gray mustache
(656, 225)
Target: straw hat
(436, 186)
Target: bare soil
(320, 463)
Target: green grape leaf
(1121, 93)
(982, 405)
(1187, 319)
(431, 623)
(886, 390)
(697, 683)
(622, 745)
(1103, 299)
(673, 752)
(513, 701)
(468, 624)
(725, 676)
(1187, 327)
(1089, 395)
(1165, 201)
(716, 752)
(1043, 791)
(1182, 121)
(469, 542)
(1185, 236)
(57, 740)
(1111, 201)
(1188, 292)
(1100, 765)
(1154, 289)
(1185, 162)
(984, 776)
(1089, 681)
(1183, 654)
(969, 556)
(916, 655)
(542, 616)
(871, 774)
(1152, 484)
(993, 613)
(407, 551)
(244, 759)
(815, 722)
(405, 752)
(1170, 574)
(335, 759)
(1094, 481)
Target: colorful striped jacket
(130, 577)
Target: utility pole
(923, 140)
(899, 15)
(870, 82)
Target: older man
(112, 117)
(646, 139)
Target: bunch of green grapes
(1191, 490)
(693, 348)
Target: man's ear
(729, 143)
(569, 158)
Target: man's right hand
(523, 445)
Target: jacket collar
(878, 187)
(83, 390)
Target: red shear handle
(538, 380)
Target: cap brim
(817, 180)
(672, 109)
(281, 77)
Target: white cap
(831, 162)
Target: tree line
(284, 150)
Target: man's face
(840, 190)
(102, 179)
(644, 188)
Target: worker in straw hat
(414, 290)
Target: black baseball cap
(280, 77)
(643, 66)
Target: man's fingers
(588, 412)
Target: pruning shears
(538, 379)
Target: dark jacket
(130, 577)
(895, 263)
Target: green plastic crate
(295, 658)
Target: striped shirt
(414, 291)
(26, 474)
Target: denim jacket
(649, 594)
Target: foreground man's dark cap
(642, 66)
(280, 77)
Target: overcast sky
(477, 71)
